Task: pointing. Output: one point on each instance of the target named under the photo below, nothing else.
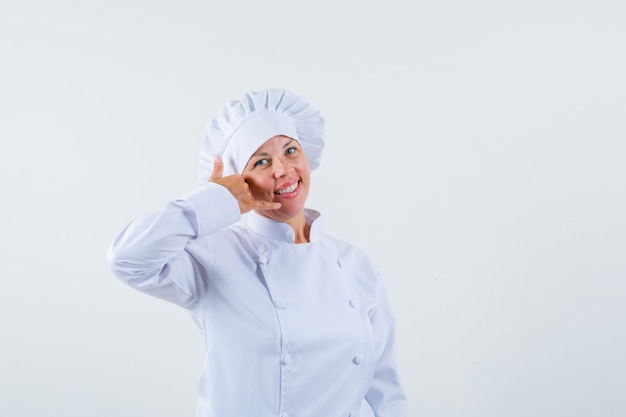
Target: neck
(300, 228)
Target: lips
(287, 190)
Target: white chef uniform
(291, 330)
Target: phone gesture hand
(239, 188)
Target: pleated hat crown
(238, 129)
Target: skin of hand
(240, 189)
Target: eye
(291, 150)
(260, 162)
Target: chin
(290, 210)
(283, 214)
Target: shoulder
(352, 258)
(220, 240)
(348, 249)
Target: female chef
(296, 323)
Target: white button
(352, 303)
(278, 303)
(357, 360)
(286, 359)
(262, 259)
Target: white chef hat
(238, 129)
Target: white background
(475, 149)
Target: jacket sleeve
(386, 396)
(152, 253)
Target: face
(278, 171)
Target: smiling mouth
(289, 189)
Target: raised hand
(240, 189)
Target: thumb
(218, 168)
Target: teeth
(289, 189)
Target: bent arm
(152, 253)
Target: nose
(280, 168)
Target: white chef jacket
(291, 330)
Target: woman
(296, 323)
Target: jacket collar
(275, 230)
